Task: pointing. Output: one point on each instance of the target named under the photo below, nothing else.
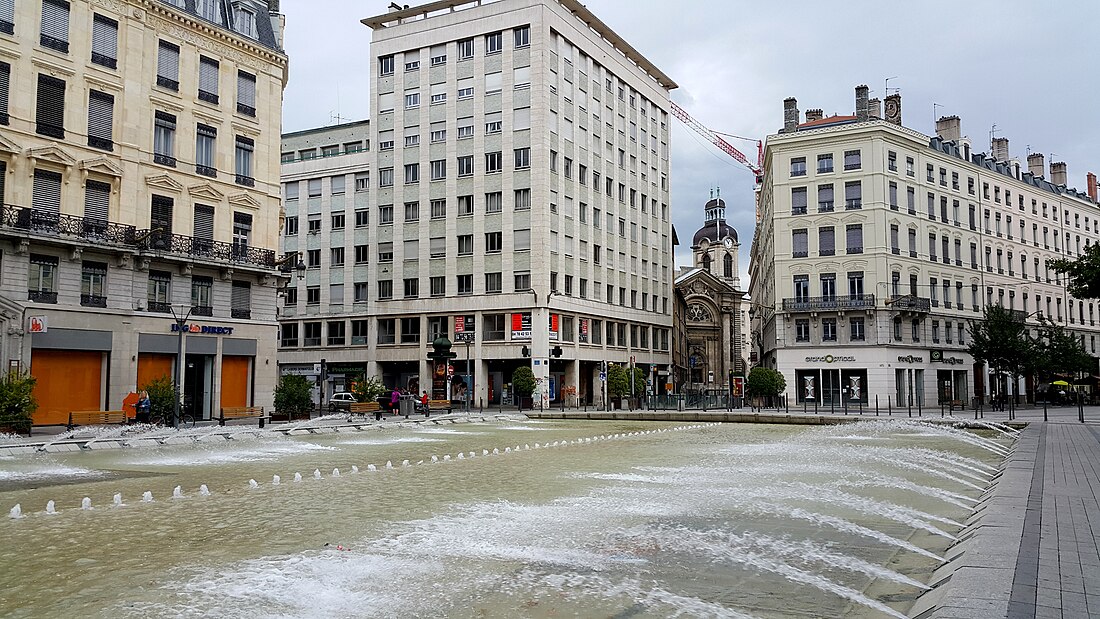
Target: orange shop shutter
(68, 380)
(235, 378)
(154, 366)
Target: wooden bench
(242, 412)
(96, 418)
(363, 409)
(439, 405)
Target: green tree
(1060, 352)
(367, 389)
(765, 383)
(1000, 339)
(618, 381)
(1082, 273)
(162, 397)
(293, 395)
(523, 381)
(17, 403)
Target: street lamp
(180, 313)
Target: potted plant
(523, 385)
(162, 397)
(293, 396)
(17, 403)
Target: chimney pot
(1091, 180)
(862, 103)
(1000, 149)
(1036, 165)
(815, 114)
(790, 114)
(893, 109)
(874, 108)
(949, 128)
(1058, 173)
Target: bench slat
(242, 412)
(88, 418)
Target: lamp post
(180, 316)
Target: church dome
(715, 229)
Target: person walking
(395, 397)
(143, 407)
(424, 403)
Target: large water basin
(510, 518)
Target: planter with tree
(17, 403)
(293, 397)
(764, 386)
(523, 385)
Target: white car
(341, 401)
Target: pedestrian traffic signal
(526, 351)
(556, 352)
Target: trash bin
(407, 405)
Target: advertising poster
(521, 326)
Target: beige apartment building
(877, 244)
(518, 201)
(139, 175)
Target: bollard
(1080, 409)
(890, 405)
(920, 408)
(876, 405)
(1044, 409)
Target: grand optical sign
(203, 329)
(830, 359)
(937, 356)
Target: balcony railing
(206, 170)
(247, 110)
(51, 130)
(26, 220)
(909, 303)
(42, 296)
(237, 312)
(54, 43)
(209, 97)
(93, 300)
(160, 308)
(814, 304)
(167, 82)
(167, 160)
(202, 310)
(247, 181)
(105, 61)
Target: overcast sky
(1032, 71)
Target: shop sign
(299, 370)
(937, 356)
(521, 326)
(554, 322)
(830, 359)
(38, 324)
(910, 359)
(203, 329)
(346, 368)
(464, 329)
(584, 331)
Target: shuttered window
(47, 191)
(246, 93)
(854, 233)
(205, 138)
(242, 230)
(168, 65)
(55, 25)
(105, 41)
(208, 79)
(3, 175)
(97, 202)
(7, 16)
(5, 79)
(243, 160)
(160, 221)
(101, 119)
(204, 222)
(241, 300)
(50, 107)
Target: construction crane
(713, 137)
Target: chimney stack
(1091, 179)
(862, 103)
(874, 108)
(893, 109)
(1058, 173)
(816, 114)
(1000, 149)
(1036, 165)
(790, 115)
(949, 128)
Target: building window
(159, 291)
(93, 284)
(164, 138)
(385, 252)
(798, 166)
(493, 283)
(168, 65)
(385, 177)
(856, 329)
(522, 36)
(438, 169)
(101, 114)
(799, 244)
(412, 173)
(522, 158)
(385, 291)
(522, 281)
(439, 209)
(494, 202)
(465, 205)
(55, 25)
(206, 150)
(825, 198)
(243, 161)
(387, 330)
(246, 93)
(208, 79)
(50, 107)
(288, 335)
(311, 335)
(802, 330)
(465, 284)
(336, 256)
(412, 211)
(853, 195)
(493, 242)
(412, 287)
(494, 43)
(852, 160)
(854, 237)
(385, 65)
(466, 165)
(104, 41)
(798, 201)
(828, 329)
(493, 162)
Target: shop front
(825, 380)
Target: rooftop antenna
(886, 88)
(1029, 150)
(934, 116)
(992, 135)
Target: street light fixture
(180, 313)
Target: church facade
(708, 306)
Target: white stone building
(138, 173)
(877, 244)
(517, 198)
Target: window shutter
(204, 222)
(246, 93)
(438, 246)
(97, 201)
(101, 112)
(855, 236)
(800, 242)
(7, 16)
(521, 118)
(242, 221)
(3, 175)
(55, 19)
(385, 102)
(160, 214)
(241, 296)
(492, 82)
(5, 77)
(208, 77)
(104, 40)
(168, 64)
(47, 192)
(50, 107)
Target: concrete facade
(877, 244)
(139, 174)
(519, 181)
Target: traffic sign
(450, 370)
(603, 375)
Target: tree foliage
(1000, 339)
(523, 381)
(1059, 352)
(17, 403)
(367, 389)
(293, 395)
(1082, 273)
(765, 382)
(162, 397)
(618, 380)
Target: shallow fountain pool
(512, 518)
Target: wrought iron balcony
(93, 300)
(910, 303)
(247, 181)
(247, 110)
(832, 303)
(169, 83)
(1021, 315)
(7, 27)
(237, 312)
(102, 232)
(54, 43)
(209, 97)
(51, 130)
(105, 61)
(167, 160)
(206, 170)
(160, 308)
(202, 310)
(42, 296)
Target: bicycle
(186, 420)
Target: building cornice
(163, 18)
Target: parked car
(341, 401)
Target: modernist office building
(134, 178)
(877, 244)
(518, 199)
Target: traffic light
(526, 351)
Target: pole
(469, 383)
(179, 372)
(631, 382)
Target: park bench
(242, 412)
(363, 409)
(438, 405)
(94, 418)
